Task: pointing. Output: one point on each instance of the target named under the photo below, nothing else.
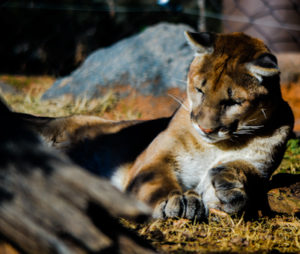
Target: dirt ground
(291, 93)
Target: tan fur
(63, 132)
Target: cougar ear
(202, 43)
(264, 66)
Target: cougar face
(228, 93)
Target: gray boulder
(151, 62)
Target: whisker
(251, 127)
(247, 129)
(243, 132)
(252, 120)
(264, 113)
(237, 134)
(179, 101)
(246, 132)
(233, 137)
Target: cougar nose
(207, 131)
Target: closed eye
(231, 102)
(199, 90)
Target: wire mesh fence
(54, 37)
(277, 22)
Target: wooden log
(49, 205)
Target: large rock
(150, 62)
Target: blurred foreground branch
(49, 205)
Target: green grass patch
(291, 160)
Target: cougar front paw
(188, 205)
(229, 189)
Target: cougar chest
(194, 164)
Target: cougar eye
(199, 90)
(232, 102)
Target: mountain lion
(217, 151)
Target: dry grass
(223, 234)
(62, 106)
(220, 233)
(27, 99)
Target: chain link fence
(275, 21)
